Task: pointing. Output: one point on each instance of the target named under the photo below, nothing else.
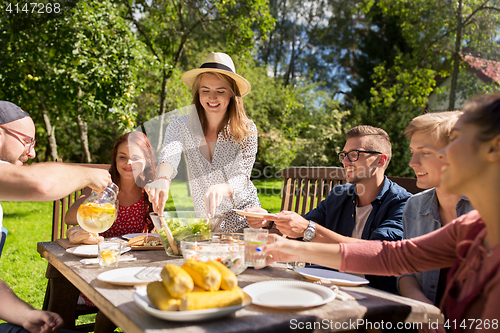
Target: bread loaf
(77, 235)
(92, 240)
(141, 240)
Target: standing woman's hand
(214, 195)
(158, 194)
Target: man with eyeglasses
(368, 207)
(39, 182)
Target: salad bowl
(174, 225)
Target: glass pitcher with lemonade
(98, 212)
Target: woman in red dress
(132, 167)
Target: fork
(341, 295)
(148, 273)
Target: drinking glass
(109, 253)
(255, 238)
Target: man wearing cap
(41, 182)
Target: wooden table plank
(118, 304)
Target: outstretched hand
(214, 195)
(37, 321)
(290, 224)
(256, 222)
(158, 194)
(279, 249)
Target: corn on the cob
(229, 279)
(176, 280)
(160, 297)
(211, 299)
(204, 276)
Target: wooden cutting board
(64, 242)
(67, 244)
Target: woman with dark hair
(469, 245)
(219, 141)
(132, 167)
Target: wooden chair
(410, 184)
(60, 206)
(61, 296)
(305, 187)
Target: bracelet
(166, 178)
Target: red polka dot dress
(130, 220)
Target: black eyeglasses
(353, 155)
(30, 145)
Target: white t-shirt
(362, 214)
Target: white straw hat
(217, 62)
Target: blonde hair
(378, 139)
(438, 123)
(235, 121)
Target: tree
(79, 65)
(442, 29)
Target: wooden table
(117, 303)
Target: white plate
(289, 294)
(341, 279)
(130, 236)
(89, 250)
(253, 214)
(128, 276)
(142, 300)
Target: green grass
(22, 268)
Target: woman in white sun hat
(220, 143)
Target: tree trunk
(456, 58)
(163, 102)
(50, 132)
(82, 128)
(290, 74)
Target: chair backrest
(305, 187)
(60, 206)
(410, 184)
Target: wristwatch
(310, 232)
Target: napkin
(91, 261)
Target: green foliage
(298, 125)
(401, 81)
(430, 28)
(81, 62)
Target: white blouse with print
(232, 163)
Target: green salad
(180, 227)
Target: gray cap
(10, 112)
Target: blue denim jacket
(421, 216)
(338, 213)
